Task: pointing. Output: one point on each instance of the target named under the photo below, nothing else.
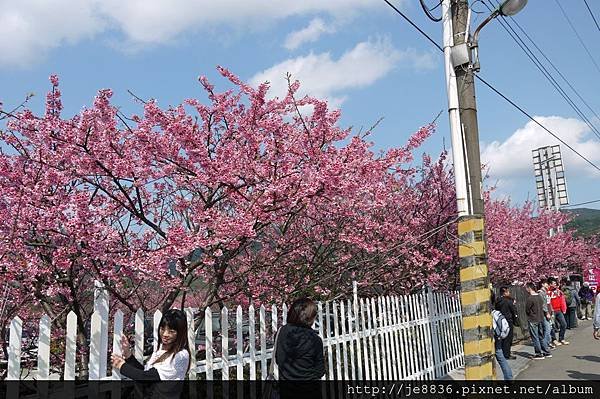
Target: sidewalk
(578, 361)
(581, 341)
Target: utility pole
(474, 279)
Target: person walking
(299, 352)
(500, 328)
(547, 310)
(572, 300)
(559, 307)
(586, 296)
(596, 317)
(535, 316)
(505, 304)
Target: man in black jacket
(505, 304)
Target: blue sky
(359, 54)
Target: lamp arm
(474, 43)
(493, 15)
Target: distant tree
(521, 248)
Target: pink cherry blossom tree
(246, 198)
(521, 248)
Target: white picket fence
(388, 337)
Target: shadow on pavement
(576, 375)
(589, 357)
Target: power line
(414, 25)
(577, 34)
(555, 68)
(581, 203)
(540, 66)
(534, 120)
(592, 14)
(489, 85)
(428, 11)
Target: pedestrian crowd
(550, 309)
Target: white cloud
(29, 28)
(159, 21)
(511, 160)
(310, 34)
(322, 76)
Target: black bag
(271, 385)
(516, 321)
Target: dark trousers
(560, 324)
(571, 317)
(507, 342)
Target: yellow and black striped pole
(462, 108)
(475, 299)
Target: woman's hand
(125, 347)
(117, 361)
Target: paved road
(578, 361)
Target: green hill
(586, 221)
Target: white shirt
(174, 367)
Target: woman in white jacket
(170, 361)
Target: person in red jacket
(559, 306)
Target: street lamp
(512, 7)
(506, 9)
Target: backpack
(500, 325)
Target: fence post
(365, 340)
(274, 328)
(95, 345)
(70, 346)
(191, 336)
(14, 356)
(240, 344)
(263, 341)
(252, 343)
(434, 320)
(208, 335)
(101, 307)
(139, 336)
(358, 336)
(14, 349)
(116, 349)
(43, 358)
(117, 334)
(225, 344)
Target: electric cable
(555, 68)
(414, 25)
(578, 36)
(491, 87)
(592, 14)
(581, 203)
(428, 11)
(540, 66)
